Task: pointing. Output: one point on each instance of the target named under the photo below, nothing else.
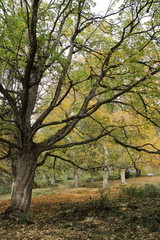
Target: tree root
(17, 216)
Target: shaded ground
(83, 215)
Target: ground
(88, 214)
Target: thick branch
(140, 148)
(93, 139)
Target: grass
(88, 214)
(5, 196)
(142, 191)
(65, 188)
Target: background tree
(44, 48)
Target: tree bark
(138, 172)
(92, 176)
(123, 179)
(22, 185)
(53, 179)
(127, 174)
(105, 177)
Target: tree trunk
(127, 174)
(22, 185)
(138, 172)
(76, 177)
(53, 179)
(105, 178)
(123, 179)
(92, 177)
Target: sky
(101, 5)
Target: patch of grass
(42, 191)
(144, 191)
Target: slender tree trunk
(127, 174)
(53, 179)
(123, 179)
(22, 185)
(92, 177)
(76, 177)
(105, 177)
(138, 172)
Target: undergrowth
(144, 191)
(5, 189)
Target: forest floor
(89, 214)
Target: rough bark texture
(22, 185)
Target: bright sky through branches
(101, 5)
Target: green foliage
(5, 189)
(145, 191)
(26, 218)
(43, 182)
(114, 175)
(59, 66)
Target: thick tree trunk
(22, 185)
(105, 178)
(123, 179)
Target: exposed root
(17, 216)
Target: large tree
(56, 52)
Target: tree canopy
(60, 64)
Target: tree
(52, 53)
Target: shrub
(103, 203)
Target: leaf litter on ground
(87, 215)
